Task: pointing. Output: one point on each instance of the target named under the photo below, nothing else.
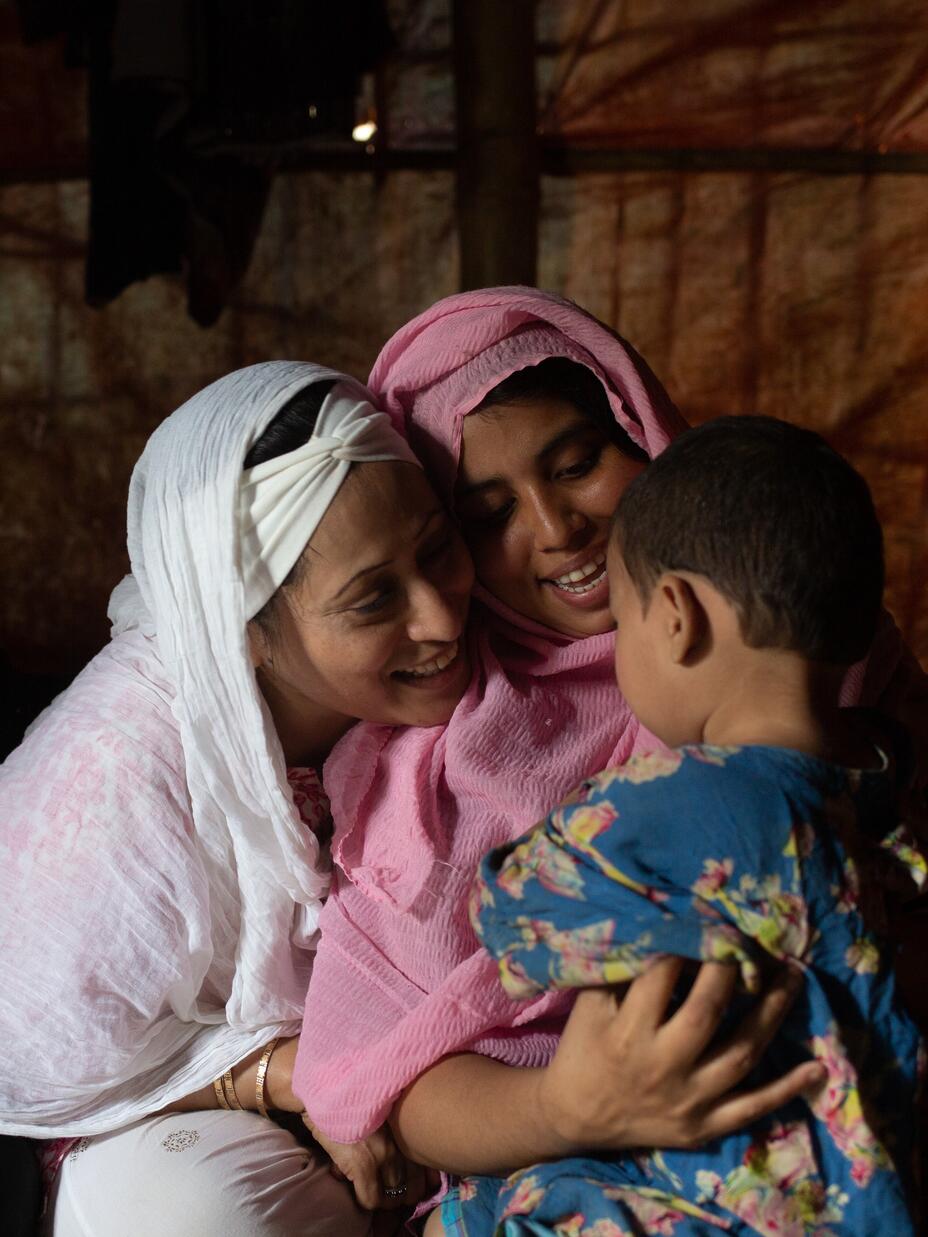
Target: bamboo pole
(497, 166)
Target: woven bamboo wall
(789, 293)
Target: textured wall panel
(342, 261)
(740, 73)
(799, 297)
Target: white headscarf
(208, 547)
(158, 888)
(283, 500)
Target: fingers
(404, 1185)
(394, 1173)
(365, 1181)
(591, 1011)
(646, 1000)
(417, 1186)
(742, 1110)
(764, 1020)
(688, 1033)
(359, 1163)
(731, 1063)
(392, 1180)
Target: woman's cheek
(611, 487)
(354, 659)
(464, 572)
(493, 567)
(382, 652)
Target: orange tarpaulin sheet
(788, 293)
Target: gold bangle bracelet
(261, 1077)
(220, 1094)
(228, 1087)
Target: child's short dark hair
(776, 520)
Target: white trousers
(200, 1174)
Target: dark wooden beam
(571, 160)
(498, 168)
(565, 161)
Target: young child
(746, 575)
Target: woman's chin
(575, 615)
(595, 623)
(431, 700)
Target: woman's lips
(437, 675)
(585, 586)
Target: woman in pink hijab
(531, 417)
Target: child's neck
(777, 699)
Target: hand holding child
(380, 1175)
(666, 1086)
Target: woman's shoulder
(110, 738)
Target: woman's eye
(492, 517)
(582, 467)
(375, 604)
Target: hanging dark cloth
(193, 103)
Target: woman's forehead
(517, 435)
(379, 507)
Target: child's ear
(684, 622)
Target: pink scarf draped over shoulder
(399, 980)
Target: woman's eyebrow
(571, 431)
(366, 571)
(478, 487)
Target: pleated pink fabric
(399, 980)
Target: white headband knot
(283, 500)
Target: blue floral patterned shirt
(741, 855)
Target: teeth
(571, 579)
(436, 665)
(580, 588)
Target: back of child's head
(777, 521)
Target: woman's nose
(551, 520)
(434, 616)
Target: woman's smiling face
(537, 486)
(373, 626)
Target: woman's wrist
(470, 1114)
(278, 1092)
(278, 1081)
(566, 1129)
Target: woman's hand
(374, 1166)
(625, 1075)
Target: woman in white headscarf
(162, 855)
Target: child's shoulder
(696, 773)
(690, 762)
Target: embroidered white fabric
(159, 893)
(201, 1174)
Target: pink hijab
(399, 980)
